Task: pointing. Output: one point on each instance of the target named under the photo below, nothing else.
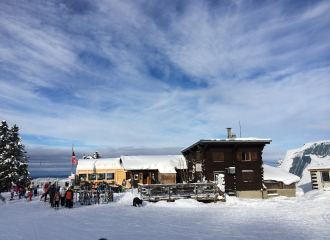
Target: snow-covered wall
(298, 161)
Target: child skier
(12, 192)
(30, 194)
(57, 199)
(44, 193)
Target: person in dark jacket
(68, 198)
(52, 195)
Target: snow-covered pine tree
(3, 151)
(13, 161)
(96, 155)
(19, 153)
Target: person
(30, 194)
(12, 191)
(47, 187)
(18, 183)
(57, 199)
(2, 198)
(68, 198)
(52, 195)
(44, 193)
(21, 191)
(31, 186)
(35, 190)
(63, 191)
(124, 184)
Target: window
(247, 175)
(243, 156)
(100, 176)
(136, 176)
(325, 176)
(110, 176)
(218, 156)
(246, 156)
(92, 176)
(83, 177)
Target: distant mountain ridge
(314, 154)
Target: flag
(74, 158)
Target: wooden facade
(240, 160)
(149, 176)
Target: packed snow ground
(304, 217)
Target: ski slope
(303, 217)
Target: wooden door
(149, 178)
(141, 178)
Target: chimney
(229, 133)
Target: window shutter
(218, 156)
(198, 155)
(254, 156)
(239, 156)
(222, 156)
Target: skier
(12, 191)
(1, 197)
(47, 187)
(57, 199)
(30, 194)
(124, 184)
(52, 195)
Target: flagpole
(71, 159)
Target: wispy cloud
(156, 75)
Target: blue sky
(133, 77)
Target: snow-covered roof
(319, 168)
(230, 140)
(277, 174)
(164, 163)
(98, 164)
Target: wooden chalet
(153, 169)
(110, 170)
(239, 159)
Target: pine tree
(13, 161)
(19, 153)
(4, 132)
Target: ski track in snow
(303, 217)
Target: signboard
(71, 177)
(198, 167)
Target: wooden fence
(205, 192)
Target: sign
(198, 167)
(71, 177)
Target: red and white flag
(74, 158)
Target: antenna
(240, 134)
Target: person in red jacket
(30, 195)
(69, 198)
